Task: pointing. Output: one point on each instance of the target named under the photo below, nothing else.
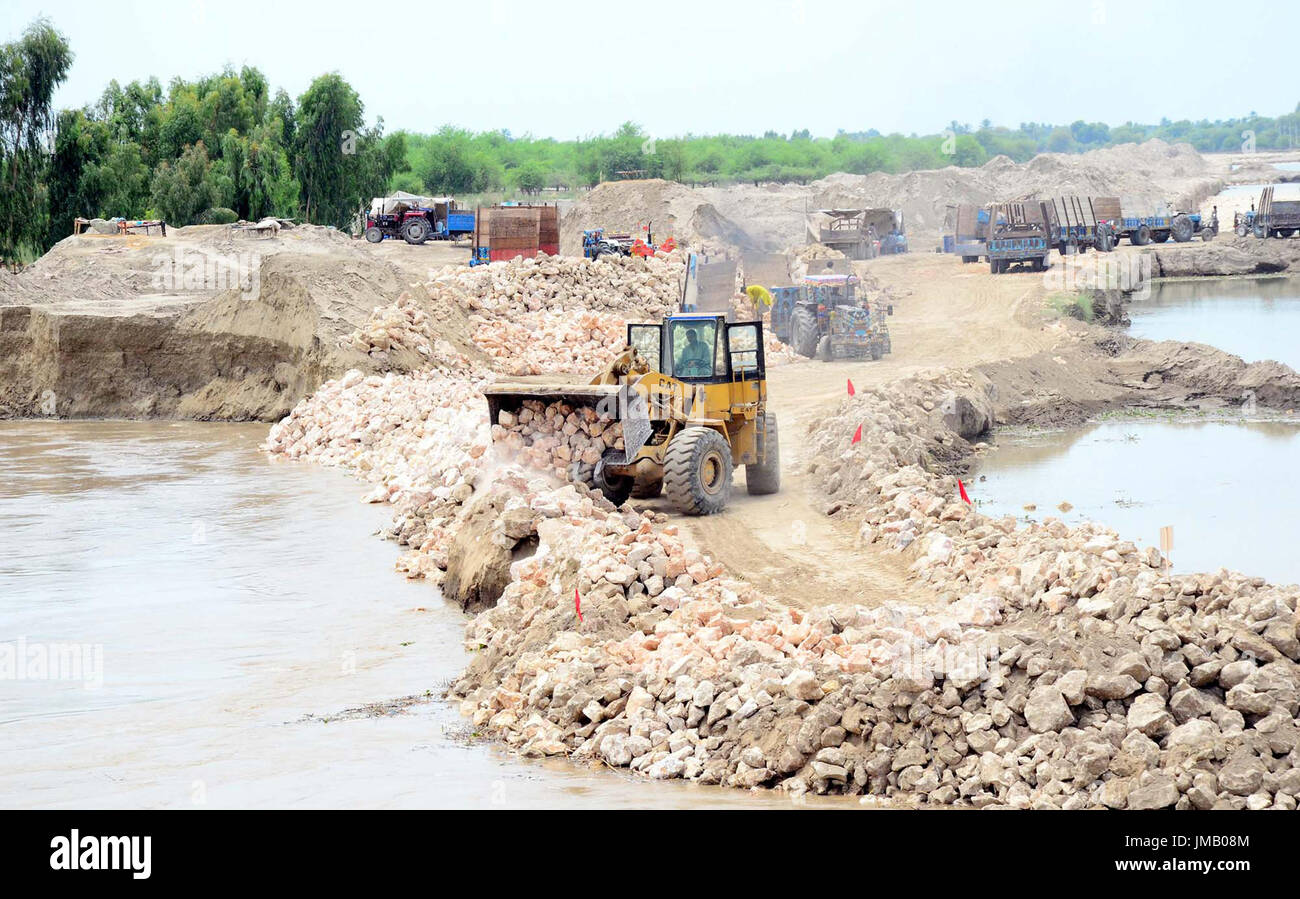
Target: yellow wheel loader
(691, 395)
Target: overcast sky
(566, 70)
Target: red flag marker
(850, 380)
(962, 488)
(577, 603)
(857, 436)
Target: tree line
(457, 161)
(215, 150)
(226, 147)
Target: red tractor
(413, 225)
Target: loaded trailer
(1074, 225)
(1275, 218)
(1018, 233)
(1142, 230)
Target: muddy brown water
(240, 638)
(1226, 486)
(1254, 318)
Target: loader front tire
(697, 472)
(762, 478)
(616, 487)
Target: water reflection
(1254, 318)
(1225, 486)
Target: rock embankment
(1057, 666)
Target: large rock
(1149, 715)
(1046, 709)
(478, 561)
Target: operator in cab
(695, 358)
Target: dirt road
(951, 315)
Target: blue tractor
(824, 318)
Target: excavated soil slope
(199, 324)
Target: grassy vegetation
(1071, 305)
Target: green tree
(180, 191)
(328, 135)
(530, 178)
(30, 70)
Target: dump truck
(690, 394)
(1018, 233)
(859, 233)
(970, 227)
(1275, 218)
(825, 318)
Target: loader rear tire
(697, 472)
(1182, 228)
(762, 478)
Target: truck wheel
(616, 487)
(762, 478)
(697, 472)
(876, 352)
(803, 328)
(1160, 236)
(824, 351)
(1141, 237)
(416, 231)
(374, 235)
(993, 267)
(1182, 228)
(1261, 232)
(1286, 232)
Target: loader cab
(702, 348)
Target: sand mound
(668, 207)
(770, 217)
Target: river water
(233, 625)
(1255, 318)
(1227, 486)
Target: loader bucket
(611, 401)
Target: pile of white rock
(551, 342)
(401, 325)
(630, 286)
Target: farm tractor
(596, 243)
(691, 395)
(416, 219)
(825, 319)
